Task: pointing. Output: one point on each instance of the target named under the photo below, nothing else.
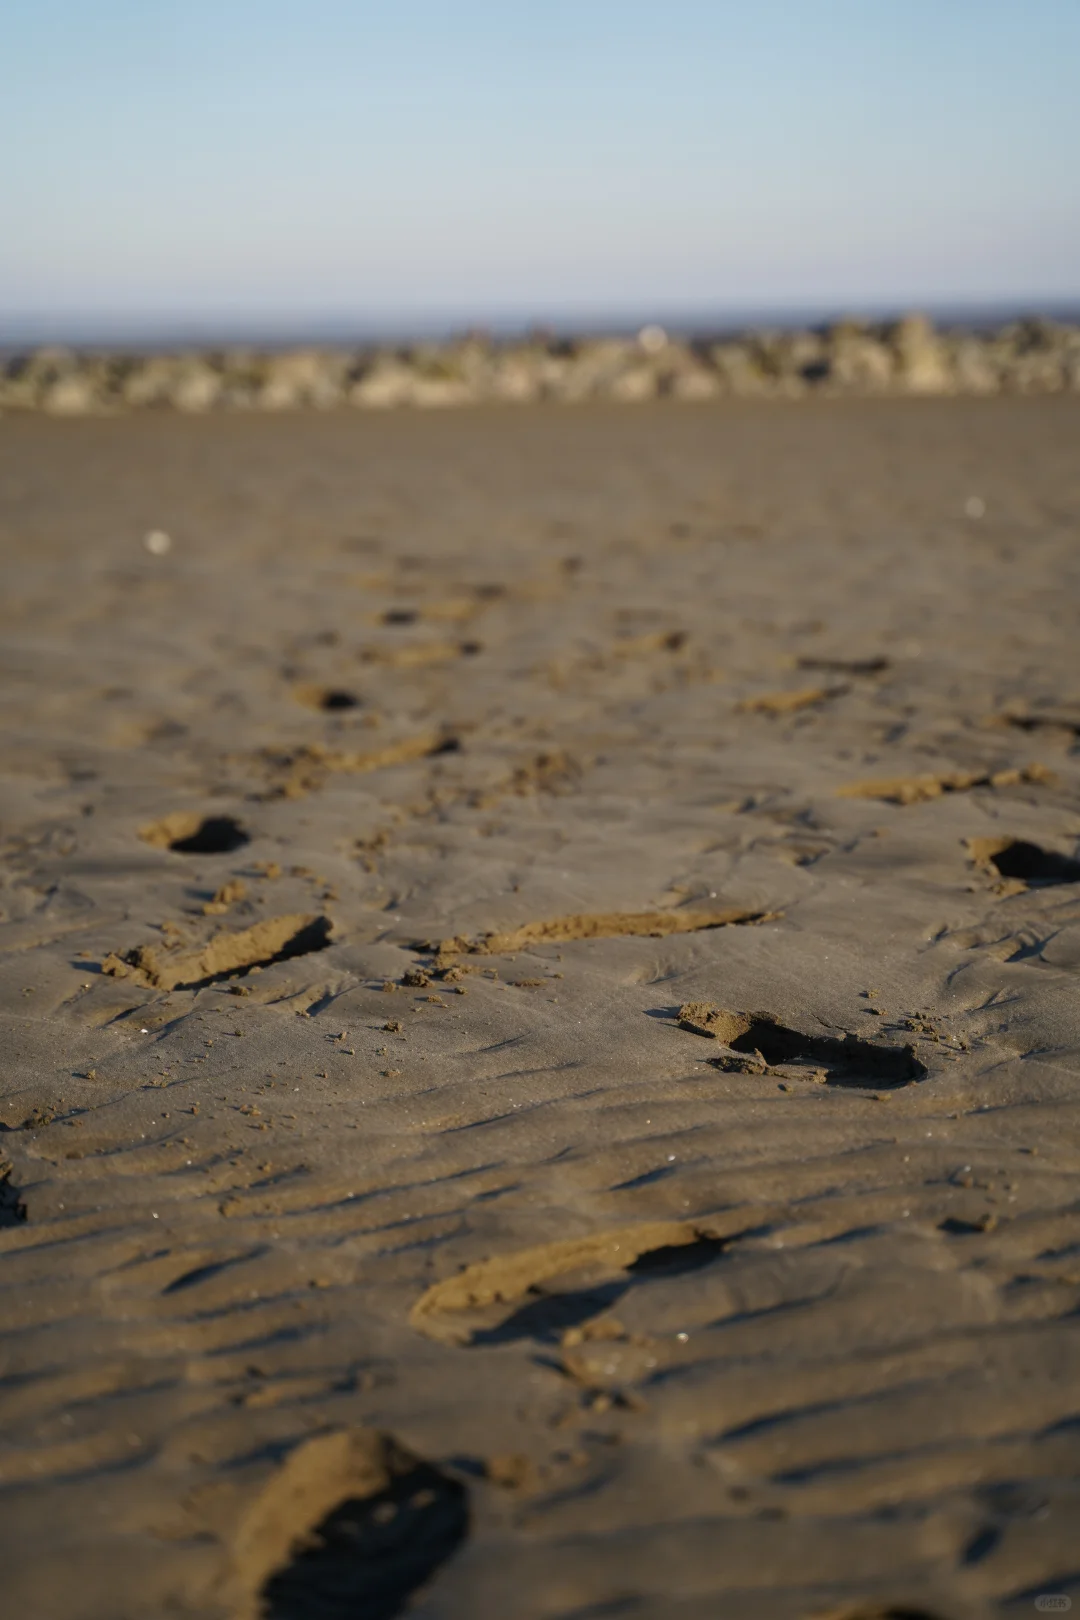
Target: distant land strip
(851, 357)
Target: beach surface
(539, 989)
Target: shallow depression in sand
(760, 1041)
(187, 833)
(369, 1554)
(1024, 862)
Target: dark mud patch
(189, 834)
(546, 1318)
(847, 666)
(12, 1208)
(874, 1612)
(1046, 720)
(758, 1042)
(208, 1271)
(678, 1259)
(957, 1227)
(1020, 861)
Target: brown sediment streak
(917, 789)
(789, 702)
(450, 609)
(1024, 719)
(508, 1277)
(305, 769)
(649, 641)
(606, 925)
(552, 771)
(274, 940)
(416, 655)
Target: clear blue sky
(292, 161)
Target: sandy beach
(538, 978)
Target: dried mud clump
(228, 894)
(276, 939)
(705, 1019)
(918, 789)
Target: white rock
(652, 339)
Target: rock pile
(852, 357)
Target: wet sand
(539, 999)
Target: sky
(293, 165)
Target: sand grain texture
(518, 1098)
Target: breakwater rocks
(901, 357)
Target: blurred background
(286, 171)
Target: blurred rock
(907, 356)
(738, 369)
(973, 366)
(302, 377)
(73, 395)
(921, 361)
(859, 362)
(632, 384)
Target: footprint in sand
(187, 833)
(351, 1524)
(756, 1043)
(1023, 863)
(459, 1309)
(332, 699)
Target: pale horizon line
(343, 328)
